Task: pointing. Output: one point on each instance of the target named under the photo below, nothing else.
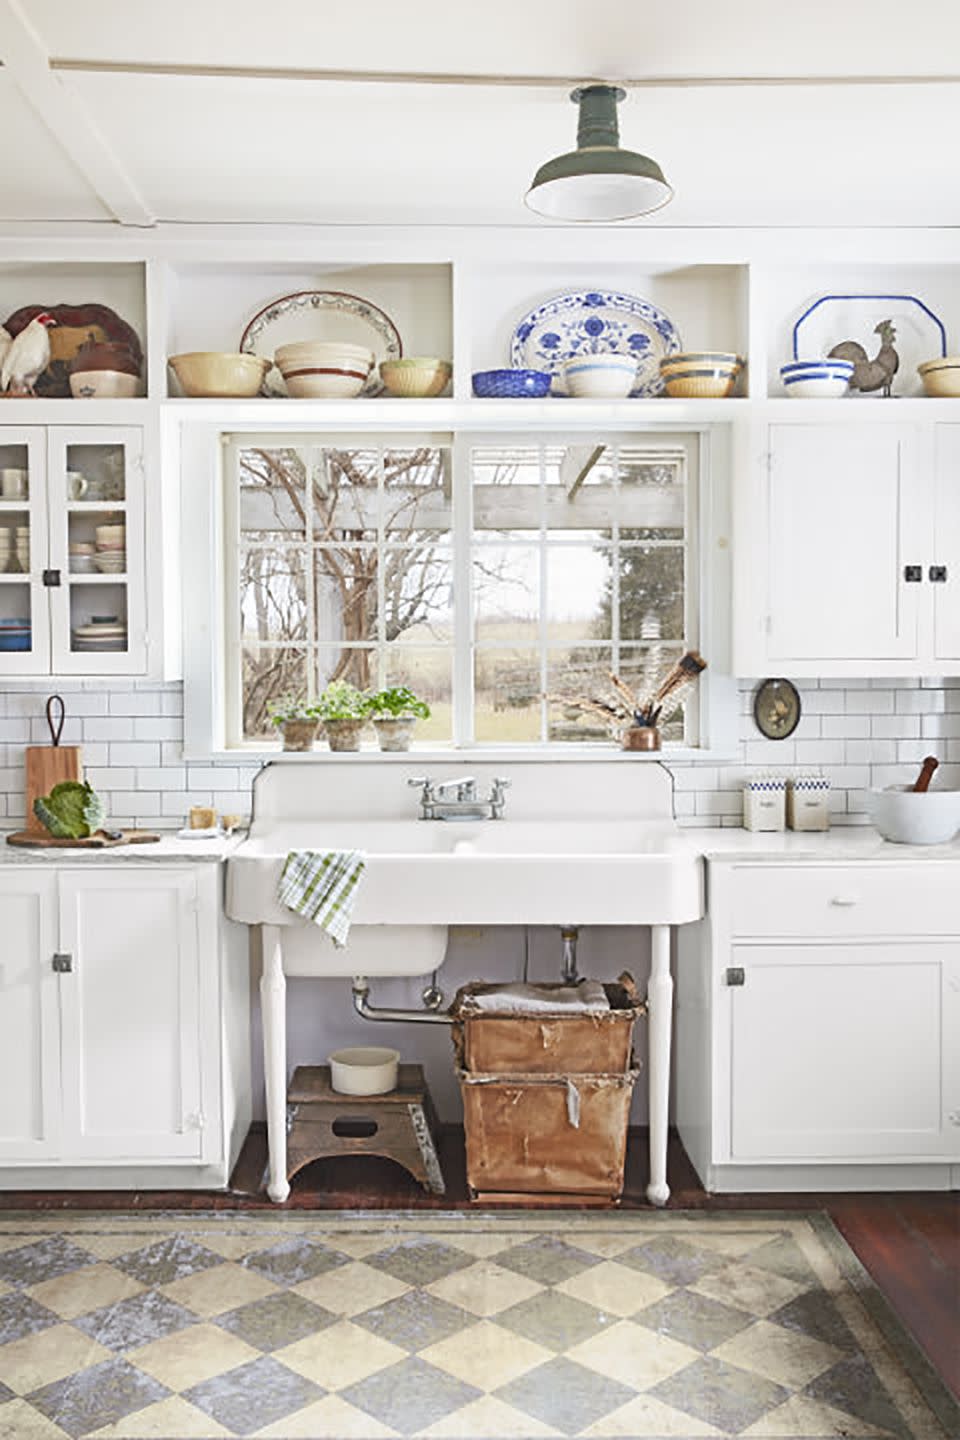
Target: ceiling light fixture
(598, 181)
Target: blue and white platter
(595, 322)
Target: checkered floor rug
(475, 1326)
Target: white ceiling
(92, 144)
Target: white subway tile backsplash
(860, 733)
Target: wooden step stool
(397, 1126)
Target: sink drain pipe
(366, 1011)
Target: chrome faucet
(458, 799)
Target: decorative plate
(75, 325)
(593, 322)
(920, 334)
(776, 708)
(321, 315)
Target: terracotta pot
(343, 734)
(105, 355)
(394, 732)
(299, 734)
(640, 737)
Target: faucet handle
(424, 783)
(500, 783)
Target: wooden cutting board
(48, 765)
(29, 840)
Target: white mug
(13, 484)
(77, 485)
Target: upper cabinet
(72, 554)
(849, 560)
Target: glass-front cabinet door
(95, 491)
(72, 582)
(24, 608)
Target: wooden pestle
(922, 782)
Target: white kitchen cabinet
(847, 550)
(124, 1027)
(76, 480)
(130, 1009)
(945, 581)
(29, 1021)
(817, 1019)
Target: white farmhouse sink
(492, 872)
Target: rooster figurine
(871, 374)
(27, 356)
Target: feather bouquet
(627, 710)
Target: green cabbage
(71, 811)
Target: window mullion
(464, 726)
(311, 457)
(544, 596)
(381, 647)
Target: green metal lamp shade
(598, 181)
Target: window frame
(203, 478)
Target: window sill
(485, 754)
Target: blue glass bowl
(511, 384)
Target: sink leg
(273, 1006)
(659, 1023)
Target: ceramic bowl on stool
(364, 1070)
(600, 377)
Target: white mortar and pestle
(915, 814)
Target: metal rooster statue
(870, 374)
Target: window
(527, 568)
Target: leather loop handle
(56, 706)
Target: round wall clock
(776, 709)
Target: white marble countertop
(847, 842)
(170, 848)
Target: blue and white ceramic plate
(594, 322)
(830, 319)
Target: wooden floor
(910, 1243)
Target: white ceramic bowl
(941, 378)
(103, 385)
(903, 816)
(364, 1070)
(299, 350)
(600, 377)
(816, 379)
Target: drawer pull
(845, 901)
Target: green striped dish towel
(321, 885)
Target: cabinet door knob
(63, 963)
(913, 574)
(844, 901)
(938, 574)
(735, 975)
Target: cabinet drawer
(832, 900)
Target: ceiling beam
(26, 61)
(426, 77)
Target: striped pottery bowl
(324, 369)
(941, 378)
(816, 379)
(701, 374)
(600, 377)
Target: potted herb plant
(343, 713)
(395, 712)
(296, 720)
